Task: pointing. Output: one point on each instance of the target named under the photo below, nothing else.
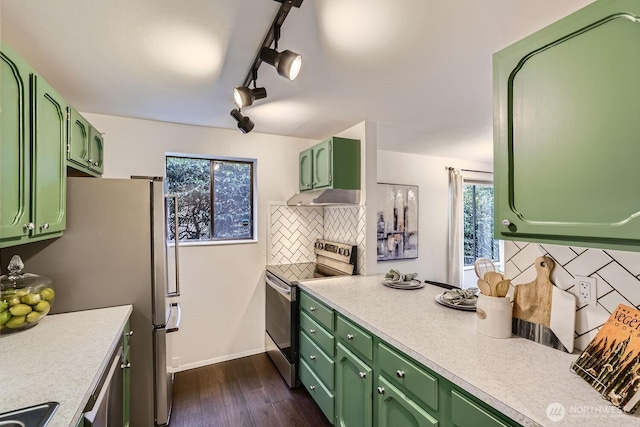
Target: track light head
(286, 62)
(243, 96)
(245, 124)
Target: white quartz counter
(516, 376)
(60, 360)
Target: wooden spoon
(493, 278)
(502, 288)
(485, 288)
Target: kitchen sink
(32, 416)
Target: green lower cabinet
(467, 413)
(321, 394)
(395, 409)
(354, 390)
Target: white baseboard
(215, 360)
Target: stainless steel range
(281, 337)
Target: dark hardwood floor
(241, 392)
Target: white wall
(429, 174)
(222, 286)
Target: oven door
(281, 324)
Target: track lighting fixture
(286, 62)
(245, 124)
(243, 96)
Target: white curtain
(455, 254)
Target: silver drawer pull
(363, 375)
(349, 337)
(312, 309)
(125, 365)
(380, 390)
(506, 223)
(130, 333)
(312, 331)
(312, 387)
(312, 357)
(400, 373)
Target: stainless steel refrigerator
(114, 252)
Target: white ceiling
(421, 69)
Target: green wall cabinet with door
(32, 148)
(85, 146)
(360, 380)
(333, 163)
(566, 131)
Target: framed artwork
(397, 222)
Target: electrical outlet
(587, 290)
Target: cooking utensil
(485, 288)
(502, 288)
(493, 277)
(483, 266)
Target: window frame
(254, 199)
(499, 263)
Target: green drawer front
(408, 375)
(466, 413)
(317, 360)
(318, 311)
(317, 333)
(317, 390)
(355, 338)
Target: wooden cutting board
(542, 312)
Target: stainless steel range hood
(325, 197)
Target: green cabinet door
(78, 139)
(395, 409)
(353, 393)
(322, 165)
(15, 205)
(566, 130)
(306, 170)
(48, 158)
(96, 151)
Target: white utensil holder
(494, 316)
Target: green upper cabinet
(354, 385)
(85, 149)
(15, 202)
(32, 155)
(334, 163)
(566, 130)
(49, 171)
(306, 171)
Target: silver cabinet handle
(400, 373)
(125, 365)
(130, 333)
(28, 227)
(312, 357)
(506, 223)
(312, 331)
(349, 337)
(380, 390)
(44, 226)
(312, 387)
(363, 375)
(312, 309)
(90, 161)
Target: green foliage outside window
(478, 224)
(215, 198)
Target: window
(478, 223)
(215, 198)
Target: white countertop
(516, 376)
(60, 360)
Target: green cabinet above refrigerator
(566, 131)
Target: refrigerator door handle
(176, 242)
(176, 327)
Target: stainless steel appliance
(114, 252)
(105, 407)
(281, 337)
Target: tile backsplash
(293, 230)
(617, 274)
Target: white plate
(466, 305)
(412, 284)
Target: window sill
(214, 243)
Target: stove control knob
(347, 252)
(340, 251)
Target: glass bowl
(25, 298)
